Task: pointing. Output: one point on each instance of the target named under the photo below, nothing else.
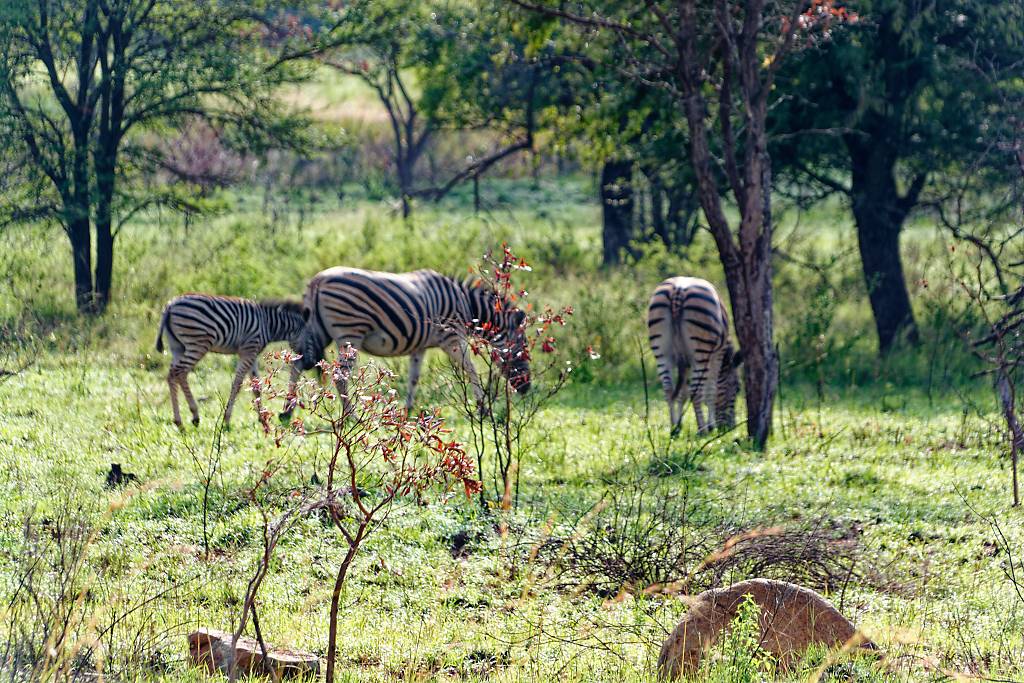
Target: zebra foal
(404, 314)
(689, 332)
(196, 324)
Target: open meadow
(885, 485)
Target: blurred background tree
(885, 110)
(89, 87)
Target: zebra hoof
(285, 417)
(195, 421)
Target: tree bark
(616, 209)
(1007, 397)
(105, 180)
(659, 222)
(104, 263)
(746, 260)
(339, 582)
(879, 212)
(77, 211)
(81, 257)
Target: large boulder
(792, 618)
(212, 648)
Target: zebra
(404, 314)
(689, 331)
(196, 324)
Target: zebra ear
(517, 318)
(305, 313)
(737, 358)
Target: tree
(983, 208)
(444, 66)
(718, 60)
(899, 92)
(81, 79)
(381, 458)
(381, 45)
(616, 208)
(645, 136)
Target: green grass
(873, 447)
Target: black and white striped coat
(404, 314)
(196, 324)
(689, 332)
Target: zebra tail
(160, 332)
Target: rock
(212, 648)
(792, 618)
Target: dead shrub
(646, 538)
(65, 619)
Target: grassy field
(889, 471)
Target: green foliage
(440, 593)
(741, 658)
(91, 91)
(929, 83)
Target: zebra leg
(255, 374)
(698, 410)
(187, 390)
(172, 384)
(415, 365)
(697, 384)
(459, 353)
(182, 363)
(669, 387)
(711, 388)
(291, 398)
(677, 404)
(348, 354)
(246, 363)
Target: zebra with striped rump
(196, 324)
(404, 314)
(689, 332)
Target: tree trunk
(81, 256)
(658, 223)
(682, 207)
(750, 290)
(77, 210)
(104, 235)
(747, 262)
(339, 582)
(104, 264)
(879, 213)
(1007, 397)
(405, 188)
(616, 209)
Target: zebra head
(504, 327)
(727, 389)
(516, 358)
(310, 341)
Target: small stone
(212, 648)
(792, 619)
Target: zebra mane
(473, 282)
(289, 305)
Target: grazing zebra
(689, 331)
(404, 314)
(196, 324)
